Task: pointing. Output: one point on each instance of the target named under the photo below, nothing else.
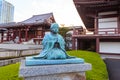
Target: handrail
(102, 31)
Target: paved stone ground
(104, 56)
(113, 68)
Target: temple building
(33, 28)
(102, 21)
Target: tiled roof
(38, 18)
(34, 20)
(7, 24)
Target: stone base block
(54, 72)
(31, 62)
(67, 76)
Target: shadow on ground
(113, 67)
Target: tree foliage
(63, 31)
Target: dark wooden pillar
(43, 32)
(8, 35)
(80, 44)
(14, 34)
(2, 35)
(19, 35)
(73, 43)
(26, 34)
(97, 45)
(119, 20)
(96, 25)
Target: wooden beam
(96, 2)
(119, 20)
(2, 35)
(96, 25)
(8, 35)
(26, 34)
(20, 35)
(97, 45)
(108, 16)
(73, 43)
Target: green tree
(63, 31)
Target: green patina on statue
(53, 51)
(53, 45)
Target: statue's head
(54, 28)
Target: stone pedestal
(54, 72)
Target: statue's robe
(51, 52)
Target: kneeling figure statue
(53, 51)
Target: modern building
(6, 12)
(102, 19)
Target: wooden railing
(100, 31)
(108, 31)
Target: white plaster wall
(109, 47)
(107, 23)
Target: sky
(64, 11)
